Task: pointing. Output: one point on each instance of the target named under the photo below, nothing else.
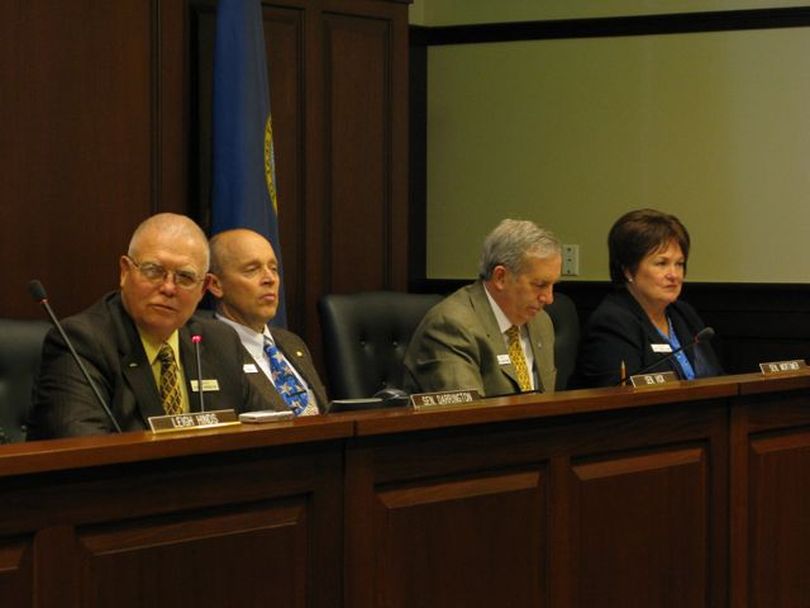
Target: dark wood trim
(198, 176)
(419, 35)
(156, 131)
(417, 211)
(783, 298)
(636, 25)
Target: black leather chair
(564, 315)
(365, 336)
(20, 350)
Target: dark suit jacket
(106, 339)
(619, 330)
(298, 356)
(458, 344)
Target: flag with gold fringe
(244, 177)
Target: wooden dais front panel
(780, 520)
(643, 529)
(441, 539)
(771, 472)
(248, 528)
(620, 508)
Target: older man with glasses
(138, 344)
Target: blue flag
(244, 173)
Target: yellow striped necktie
(518, 358)
(169, 381)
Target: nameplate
(209, 385)
(781, 367)
(192, 421)
(428, 400)
(642, 380)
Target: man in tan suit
(493, 335)
(245, 283)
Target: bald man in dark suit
(245, 283)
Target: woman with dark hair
(643, 322)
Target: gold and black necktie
(518, 358)
(169, 381)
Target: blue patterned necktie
(287, 384)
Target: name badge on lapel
(504, 360)
(208, 385)
(250, 368)
(661, 348)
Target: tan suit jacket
(458, 345)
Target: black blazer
(619, 330)
(107, 340)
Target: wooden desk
(244, 517)
(695, 494)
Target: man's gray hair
(512, 242)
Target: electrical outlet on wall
(570, 260)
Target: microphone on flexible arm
(704, 335)
(197, 338)
(37, 291)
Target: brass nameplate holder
(192, 421)
(440, 399)
(642, 380)
(782, 367)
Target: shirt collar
(153, 348)
(251, 339)
(503, 322)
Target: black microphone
(704, 335)
(197, 338)
(37, 292)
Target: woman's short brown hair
(637, 234)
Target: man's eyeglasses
(157, 274)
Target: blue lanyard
(683, 361)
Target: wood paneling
(770, 526)
(619, 509)
(16, 572)
(107, 110)
(779, 473)
(440, 537)
(357, 74)
(650, 513)
(338, 88)
(196, 558)
(93, 140)
(248, 528)
(284, 39)
(284, 36)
